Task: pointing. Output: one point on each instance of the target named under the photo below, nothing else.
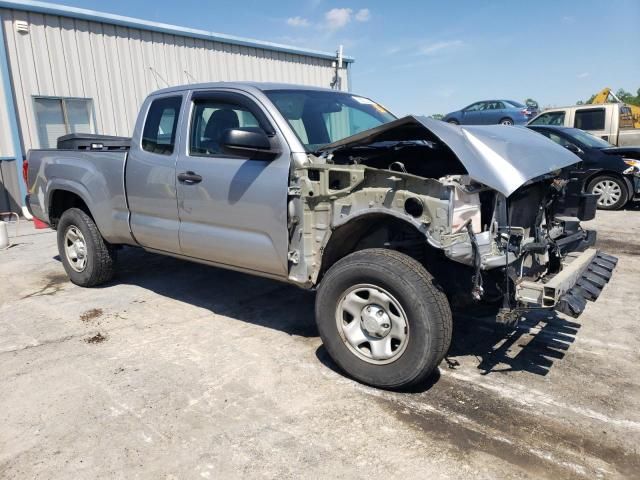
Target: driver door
(232, 209)
(472, 114)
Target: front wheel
(383, 319)
(87, 258)
(453, 121)
(612, 192)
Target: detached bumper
(582, 278)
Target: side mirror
(574, 149)
(249, 143)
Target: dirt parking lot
(177, 370)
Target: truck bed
(96, 176)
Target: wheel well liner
(353, 235)
(61, 201)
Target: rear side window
(626, 117)
(550, 118)
(590, 119)
(159, 134)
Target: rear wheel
(453, 121)
(87, 258)
(506, 121)
(612, 192)
(382, 318)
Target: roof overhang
(92, 15)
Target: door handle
(189, 178)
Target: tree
(627, 97)
(530, 102)
(437, 116)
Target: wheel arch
(61, 199)
(607, 173)
(369, 229)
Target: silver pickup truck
(390, 219)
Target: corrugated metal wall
(5, 133)
(118, 66)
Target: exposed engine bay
(492, 212)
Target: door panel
(472, 115)
(236, 214)
(151, 177)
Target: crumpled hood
(498, 156)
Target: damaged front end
(493, 209)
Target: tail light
(526, 111)
(25, 172)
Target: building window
(56, 117)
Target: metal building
(66, 70)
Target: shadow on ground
(540, 339)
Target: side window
(159, 134)
(550, 118)
(626, 117)
(589, 119)
(558, 139)
(210, 120)
(475, 107)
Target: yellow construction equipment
(603, 97)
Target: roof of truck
(263, 86)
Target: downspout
(13, 119)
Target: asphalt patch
(53, 283)
(471, 419)
(609, 245)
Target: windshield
(587, 139)
(319, 117)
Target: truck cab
(612, 122)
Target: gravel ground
(177, 370)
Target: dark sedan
(611, 172)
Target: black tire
(624, 192)
(506, 121)
(100, 255)
(427, 313)
(453, 121)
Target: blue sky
(430, 57)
